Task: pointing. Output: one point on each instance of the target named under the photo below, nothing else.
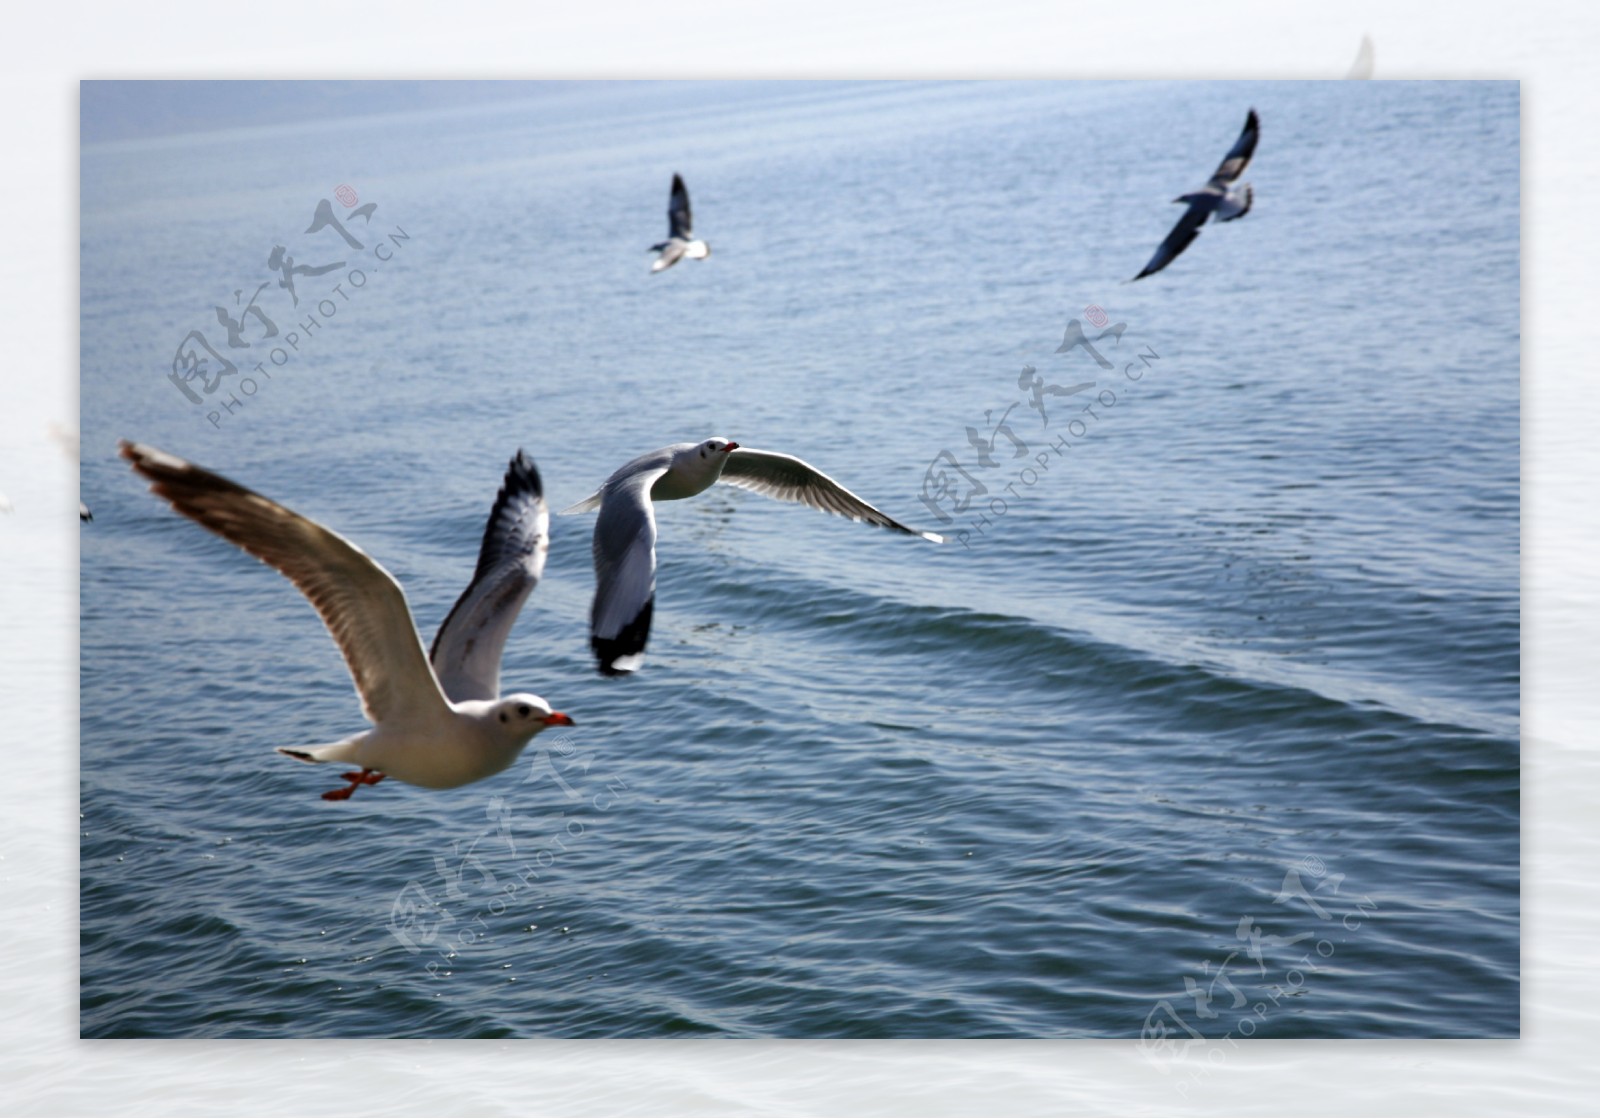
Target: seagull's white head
(712, 455)
(695, 468)
(715, 448)
(521, 716)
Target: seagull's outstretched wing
(680, 221)
(360, 603)
(671, 252)
(624, 572)
(466, 653)
(789, 479)
(1181, 237)
(1238, 157)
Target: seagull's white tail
(587, 505)
(333, 752)
(1236, 202)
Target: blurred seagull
(420, 734)
(1361, 69)
(1222, 197)
(680, 240)
(68, 442)
(625, 532)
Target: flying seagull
(681, 241)
(1361, 68)
(68, 442)
(625, 531)
(419, 735)
(1222, 198)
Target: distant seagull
(419, 736)
(1361, 69)
(681, 241)
(1221, 197)
(625, 532)
(68, 442)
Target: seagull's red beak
(557, 719)
(730, 447)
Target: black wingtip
(677, 181)
(522, 476)
(630, 642)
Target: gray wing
(466, 653)
(671, 253)
(789, 479)
(624, 572)
(1181, 237)
(680, 222)
(1238, 157)
(360, 603)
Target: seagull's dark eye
(524, 710)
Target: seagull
(681, 241)
(1361, 68)
(68, 441)
(625, 532)
(419, 734)
(1221, 197)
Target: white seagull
(625, 531)
(1221, 198)
(681, 241)
(419, 734)
(68, 442)
(1361, 68)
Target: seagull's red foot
(363, 777)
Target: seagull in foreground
(681, 241)
(625, 532)
(420, 735)
(1221, 197)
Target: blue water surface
(1203, 724)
